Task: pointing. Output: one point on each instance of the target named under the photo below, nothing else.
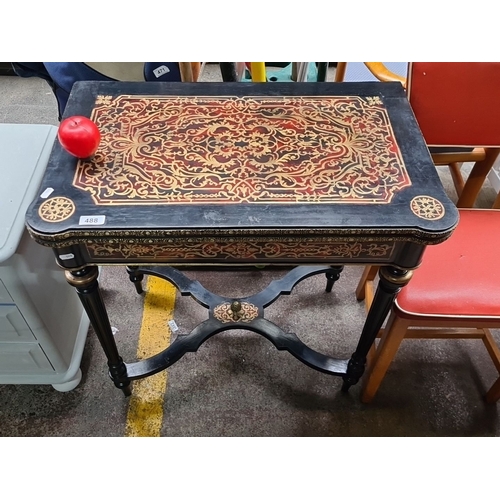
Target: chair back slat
(456, 104)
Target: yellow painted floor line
(145, 411)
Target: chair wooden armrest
(382, 73)
(377, 69)
(476, 154)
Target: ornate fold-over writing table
(313, 176)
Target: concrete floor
(238, 384)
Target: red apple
(79, 136)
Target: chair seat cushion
(460, 277)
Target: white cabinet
(42, 323)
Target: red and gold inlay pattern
(158, 150)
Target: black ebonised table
(313, 176)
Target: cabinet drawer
(5, 298)
(13, 327)
(23, 358)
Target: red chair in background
(455, 294)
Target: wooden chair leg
(392, 337)
(456, 176)
(493, 395)
(186, 71)
(496, 203)
(340, 71)
(476, 179)
(369, 274)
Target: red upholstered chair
(454, 294)
(457, 106)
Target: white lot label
(47, 193)
(161, 70)
(92, 220)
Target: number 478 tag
(92, 220)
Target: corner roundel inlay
(427, 207)
(56, 209)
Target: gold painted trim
(142, 236)
(396, 280)
(82, 281)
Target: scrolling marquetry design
(257, 249)
(228, 313)
(427, 207)
(163, 149)
(56, 209)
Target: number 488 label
(92, 220)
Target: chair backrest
(456, 104)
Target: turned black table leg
(391, 281)
(136, 278)
(332, 276)
(87, 286)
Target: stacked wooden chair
(455, 293)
